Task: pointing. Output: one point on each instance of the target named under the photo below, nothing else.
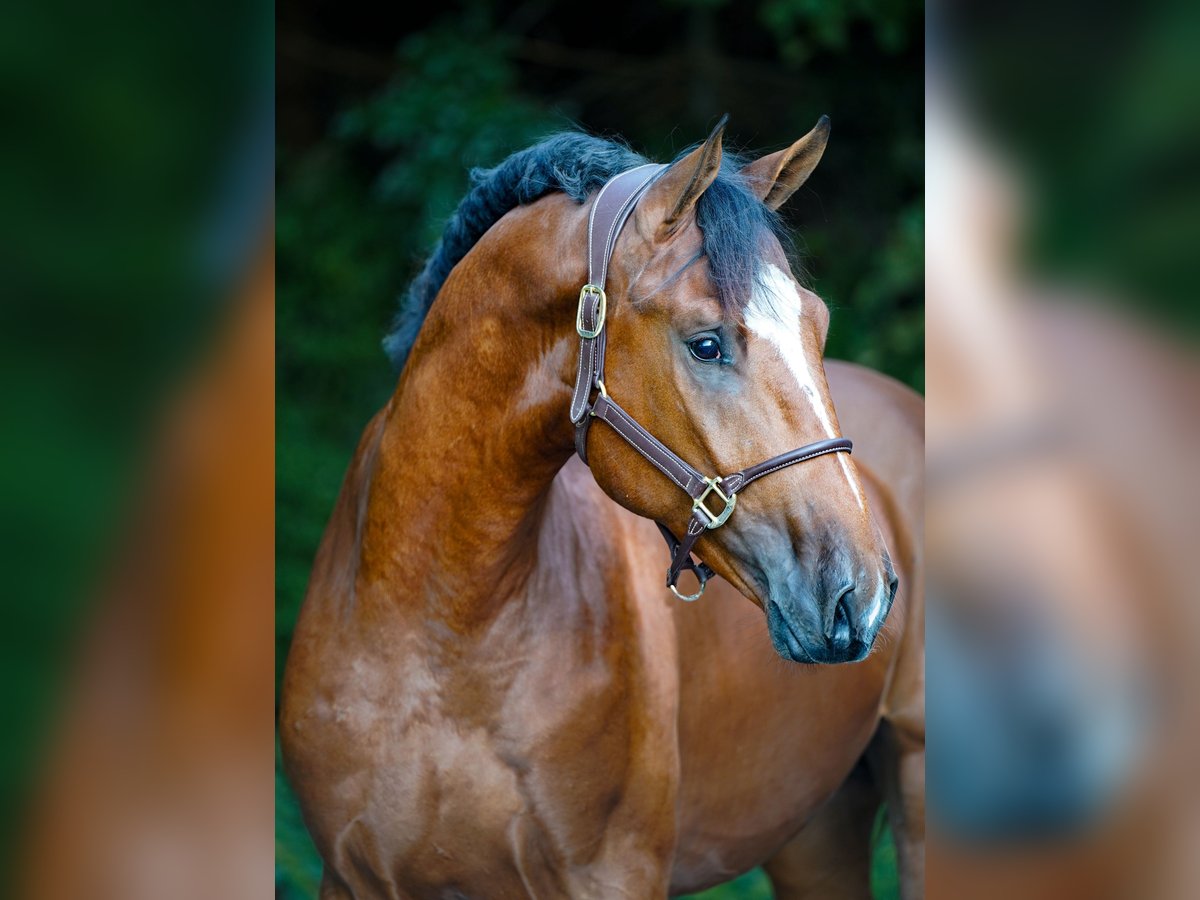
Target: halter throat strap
(713, 499)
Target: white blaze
(877, 607)
(853, 479)
(774, 314)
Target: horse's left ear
(676, 191)
(776, 177)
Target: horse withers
(491, 692)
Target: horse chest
(762, 745)
(507, 759)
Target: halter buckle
(601, 311)
(730, 500)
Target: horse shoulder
(321, 719)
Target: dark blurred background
(383, 107)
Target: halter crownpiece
(713, 499)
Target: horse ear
(776, 177)
(677, 190)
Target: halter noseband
(611, 209)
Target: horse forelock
(738, 230)
(740, 235)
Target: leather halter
(611, 209)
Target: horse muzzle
(827, 614)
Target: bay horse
(490, 692)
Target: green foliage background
(381, 112)
(126, 128)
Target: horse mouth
(784, 637)
(790, 645)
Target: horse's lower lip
(791, 640)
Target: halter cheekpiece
(713, 499)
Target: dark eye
(705, 349)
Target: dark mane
(734, 223)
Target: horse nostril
(839, 632)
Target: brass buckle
(600, 312)
(715, 521)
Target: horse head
(715, 347)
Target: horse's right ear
(676, 191)
(776, 177)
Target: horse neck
(479, 425)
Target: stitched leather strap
(681, 559)
(681, 551)
(660, 456)
(739, 480)
(610, 210)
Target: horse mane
(736, 225)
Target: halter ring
(688, 598)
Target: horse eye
(705, 349)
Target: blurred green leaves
(877, 296)
(441, 108)
(803, 26)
